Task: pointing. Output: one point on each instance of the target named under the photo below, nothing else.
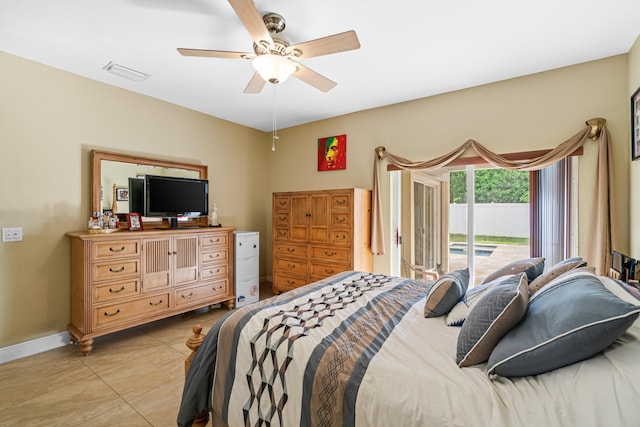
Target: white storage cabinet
(246, 271)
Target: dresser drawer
(213, 240)
(291, 250)
(211, 257)
(341, 202)
(116, 269)
(114, 290)
(213, 271)
(281, 233)
(330, 254)
(320, 271)
(285, 282)
(281, 219)
(115, 249)
(340, 219)
(281, 203)
(127, 310)
(341, 237)
(196, 295)
(291, 266)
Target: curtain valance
(599, 251)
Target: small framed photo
(134, 221)
(122, 194)
(635, 125)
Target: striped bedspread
(298, 359)
(355, 350)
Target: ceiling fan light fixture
(274, 68)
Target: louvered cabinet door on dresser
(319, 233)
(125, 279)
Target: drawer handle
(283, 218)
(112, 314)
(291, 265)
(329, 253)
(214, 272)
(291, 282)
(341, 201)
(339, 237)
(116, 249)
(212, 256)
(283, 233)
(341, 219)
(186, 296)
(214, 241)
(119, 290)
(219, 288)
(282, 203)
(326, 270)
(117, 271)
(155, 304)
(291, 250)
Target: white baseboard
(27, 348)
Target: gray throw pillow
(567, 321)
(532, 266)
(461, 310)
(446, 292)
(554, 272)
(499, 310)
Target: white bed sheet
(414, 381)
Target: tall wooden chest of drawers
(125, 279)
(319, 233)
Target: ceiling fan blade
(341, 42)
(314, 79)
(251, 19)
(255, 84)
(215, 53)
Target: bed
(356, 349)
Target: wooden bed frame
(194, 343)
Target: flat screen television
(173, 197)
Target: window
(515, 215)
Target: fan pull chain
(275, 117)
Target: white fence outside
(491, 219)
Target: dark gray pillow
(532, 266)
(446, 292)
(499, 310)
(568, 321)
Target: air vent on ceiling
(127, 73)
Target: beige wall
(634, 181)
(534, 112)
(50, 120)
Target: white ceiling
(410, 48)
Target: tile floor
(131, 378)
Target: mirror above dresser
(111, 173)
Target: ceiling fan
(274, 58)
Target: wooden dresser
(319, 233)
(125, 279)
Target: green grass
(495, 240)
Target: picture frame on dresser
(635, 125)
(134, 222)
